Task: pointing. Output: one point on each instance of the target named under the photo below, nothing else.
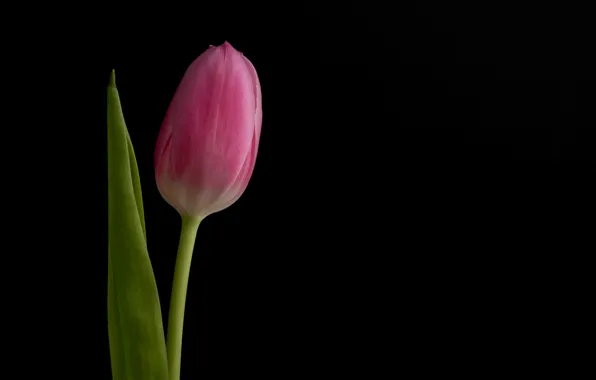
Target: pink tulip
(207, 146)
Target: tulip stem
(188, 234)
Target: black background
(422, 197)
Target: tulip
(207, 146)
(205, 156)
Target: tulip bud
(208, 141)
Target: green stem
(188, 235)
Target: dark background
(422, 197)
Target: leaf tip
(112, 79)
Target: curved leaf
(137, 344)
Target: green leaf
(135, 328)
(136, 182)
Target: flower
(208, 142)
